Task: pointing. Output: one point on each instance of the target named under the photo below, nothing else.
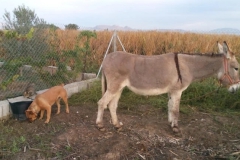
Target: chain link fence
(34, 56)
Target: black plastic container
(19, 108)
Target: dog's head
(31, 112)
(31, 116)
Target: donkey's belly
(148, 91)
(144, 88)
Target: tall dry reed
(149, 42)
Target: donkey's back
(146, 75)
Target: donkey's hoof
(175, 129)
(101, 128)
(118, 129)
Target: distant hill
(225, 31)
(126, 28)
(110, 28)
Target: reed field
(149, 42)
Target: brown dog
(45, 100)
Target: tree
(23, 20)
(53, 27)
(72, 26)
(23, 42)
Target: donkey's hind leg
(113, 110)
(102, 104)
(173, 109)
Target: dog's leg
(49, 109)
(41, 114)
(58, 105)
(66, 103)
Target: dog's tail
(104, 83)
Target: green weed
(205, 96)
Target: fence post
(105, 56)
(114, 41)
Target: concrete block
(41, 91)
(89, 76)
(4, 109)
(71, 89)
(1, 64)
(82, 85)
(53, 69)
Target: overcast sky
(201, 15)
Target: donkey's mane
(204, 54)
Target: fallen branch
(33, 149)
(235, 140)
(235, 153)
(143, 157)
(68, 142)
(68, 156)
(173, 153)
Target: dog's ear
(29, 112)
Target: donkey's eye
(236, 69)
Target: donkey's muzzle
(234, 87)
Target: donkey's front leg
(173, 109)
(102, 104)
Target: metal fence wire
(33, 59)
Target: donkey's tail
(104, 83)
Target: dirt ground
(146, 135)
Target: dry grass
(148, 42)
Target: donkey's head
(229, 75)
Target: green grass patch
(205, 96)
(11, 144)
(209, 97)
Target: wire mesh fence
(48, 56)
(33, 56)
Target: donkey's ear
(220, 47)
(224, 49)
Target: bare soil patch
(146, 134)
